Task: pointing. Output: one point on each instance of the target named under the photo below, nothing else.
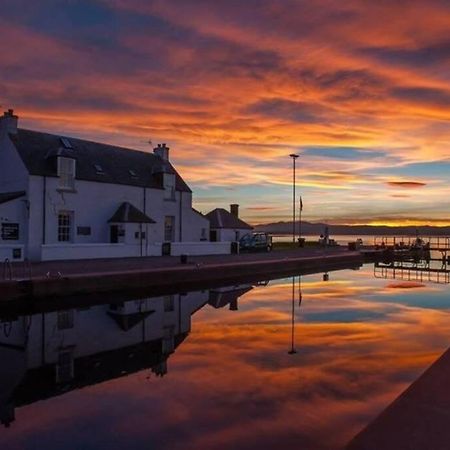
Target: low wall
(200, 248)
(52, 252)
(13, 252)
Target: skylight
(66, 143)
(99, 169)
(132, 173)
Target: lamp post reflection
(292, 350)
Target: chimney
(8, 122)
(162, 151)
(234, 209)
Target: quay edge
(175, 277)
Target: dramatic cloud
(234, 87)
(406, 184)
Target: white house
(67, 198)
(226, 226)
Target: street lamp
(294, 156)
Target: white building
(67, 198)
(226, 226)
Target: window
(169, 228)
(169, 186)
(66, 173)
(65, 226)
(65, 319)
(169, 303)
(132, 173)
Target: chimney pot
(8, 123)
(162, 151)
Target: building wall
(230, 235)
(13, 174)
(13, 177)
(93, 204)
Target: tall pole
(294, 157)
(300, 220)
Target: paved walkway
(417, 420)
(111, 265)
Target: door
(114, 233)
(213, 235)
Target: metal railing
(441, 243)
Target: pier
(158, 275)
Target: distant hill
(309, 228)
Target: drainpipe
(44, 209)
(146, 225)
(181, 215)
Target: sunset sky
(360, 89)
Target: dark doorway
(213, 235)
(114, 234)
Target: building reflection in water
(49, 354)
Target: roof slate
(127, 213)
(8, 196)
(36, 149)
(221, 218)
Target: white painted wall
(93, 204)
(8, 252)
(200, 248)
(52, 252)
(229, 235)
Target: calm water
(215, 370)
(341, 239)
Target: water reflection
(52, 353)
(211, 369)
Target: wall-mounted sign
(10, 231)
(84, 231)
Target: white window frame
(66, 173)
(65, 228)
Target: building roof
(38, 150)
(218, 299)
(127, 213)
(221, 218)
(8, 196)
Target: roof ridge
(118, 147)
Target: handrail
(7, 269)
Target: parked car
(254, 242)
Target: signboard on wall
(10, 231)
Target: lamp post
(294, 156)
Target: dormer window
(66, 173)
(169, 186)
